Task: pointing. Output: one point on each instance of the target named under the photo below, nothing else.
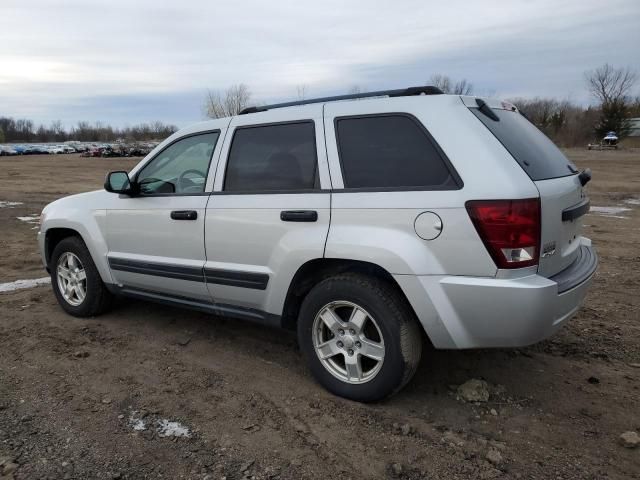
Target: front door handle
(184, 215)
(299, 216)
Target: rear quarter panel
(378, 227)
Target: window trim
(272, 192)
(173, 142)
(443, 156)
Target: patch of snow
(609, 211)
(30, 219)
(137, 424)
(168, 428)
(6, 204)
(20, 284)
(632, 201)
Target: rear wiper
(585, 176)
(486, 109)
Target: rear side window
(389, 152)
(532, 149)
(272, 158)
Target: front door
(269, 211)
(156, 238)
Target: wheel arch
(53, 237)
(314, 271)
(56, 233)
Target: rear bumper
(473, 312)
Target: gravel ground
(148, 391)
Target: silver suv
(363, 221)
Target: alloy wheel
(348, 342)
(72, 279)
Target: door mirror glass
(117, 182)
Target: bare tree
(235, 99)
(608, 84)
(634, 108)
(58, 133)
(444, 83)
(301, 91)
(441, 81)
(539, 111)
(354, 90)
(463, 87)
(612, 87)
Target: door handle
(299, 216)
(184, 215)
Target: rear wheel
(75, 280)
(359, 336)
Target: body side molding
(233, 278)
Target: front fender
(85, 214)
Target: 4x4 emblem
(548, 249)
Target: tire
(396, 330)
(97, 299)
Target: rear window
(390, 152)
(532, 149)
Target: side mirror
(118, 182)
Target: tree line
(568, 124)
(24, 130)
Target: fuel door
(428, 225)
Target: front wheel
(76, 281)
(359, 336)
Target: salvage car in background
(6, 151)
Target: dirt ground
(90, 398)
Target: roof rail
(402, 92)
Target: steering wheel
(181, 179)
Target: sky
(129, 61)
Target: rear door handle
(184, 215)
(299, 216)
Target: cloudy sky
(127, 61)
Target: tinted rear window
(390, 151)
(531, 148)
(273, 157)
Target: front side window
(180, 168)
(272, 158)
(390, 151)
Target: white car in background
(6, 151)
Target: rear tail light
(510, 229)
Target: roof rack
(402, 92)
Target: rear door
(269, 211)
(563, 199)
